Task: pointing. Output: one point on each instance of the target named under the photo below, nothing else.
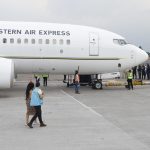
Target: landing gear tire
(97, 85)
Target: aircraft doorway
(132, 56)
(93, 44)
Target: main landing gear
(91, 80)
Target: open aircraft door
(93, 44)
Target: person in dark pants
(134, 72)
(129, 79)
(139, 71)
(37, 77)
(77, 82)
(36, 102)
(45, 76)
(143, 72)
(148, 71)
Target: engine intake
(6, 73)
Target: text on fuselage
(34, 32)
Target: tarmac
(110, 119)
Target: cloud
(129, 18)
(22, 9)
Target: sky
(128, 18)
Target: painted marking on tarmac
(83, 105)
(99, 115)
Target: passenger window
(47, 41)
(26, 41)
(61, 41)
(4, 40)
(68, 42)
(19, 41)
(11, 40)
(40, 41)
(33, 41)
(54, 41)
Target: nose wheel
(97, 84)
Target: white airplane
(30, 47)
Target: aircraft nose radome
(142, 56)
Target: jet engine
(6, 73)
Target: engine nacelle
(6, 73)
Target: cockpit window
(119, 41)
(116, 41)
(122, 42)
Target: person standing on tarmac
(129, 79)
(37, 78)
(148, 71)
(139, 71)
(77, 82)
(45, 76)
(134, 72)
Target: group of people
(44, 76)
(141, 72)
(34, 100)
(34, 95)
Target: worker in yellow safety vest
(45, 76)
(129, 79)
(37, 77)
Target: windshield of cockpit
(120, 41)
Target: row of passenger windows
(34, 41)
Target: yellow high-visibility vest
(130, 75)
(45, 75)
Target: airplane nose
(141, 56)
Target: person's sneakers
(43, 125)
(30, 125)
(77, 92)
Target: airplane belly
(55, 66)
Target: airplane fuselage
(58, 48)
(63, 48)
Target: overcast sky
(129, 18)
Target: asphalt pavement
(110, 119)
